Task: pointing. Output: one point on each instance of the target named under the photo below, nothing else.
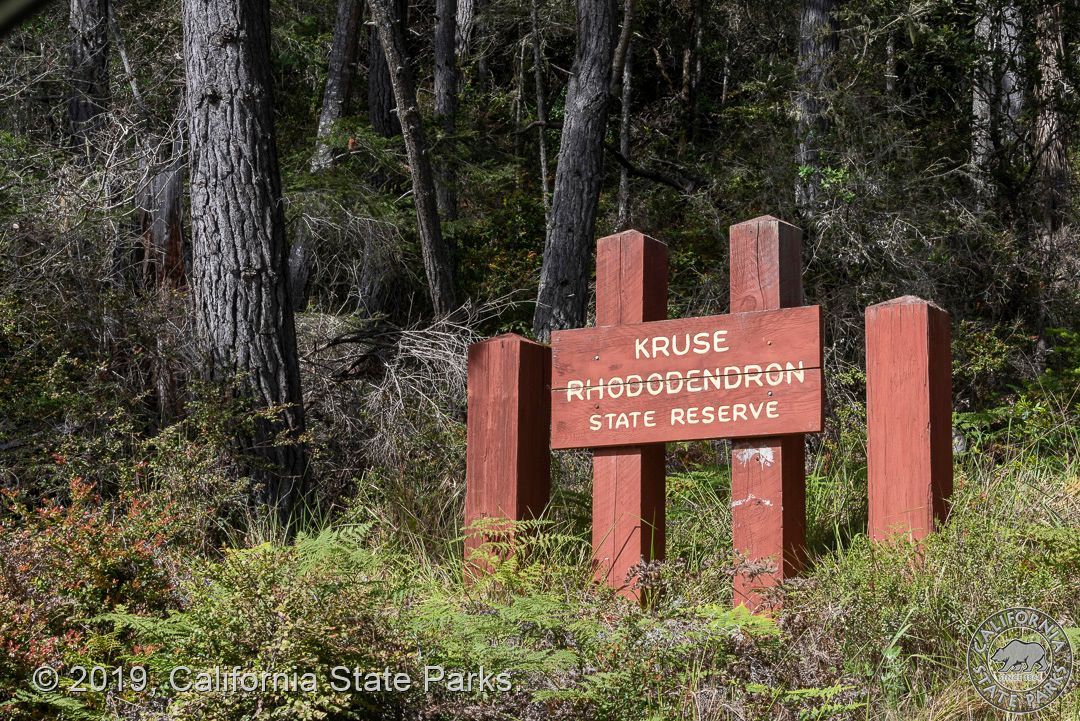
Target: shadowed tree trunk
(161, 224)
(1052, 168)
(817, 45)
(446, 101)
(1050, 151)
(563, 294)
(438, 263)
(243, 319)
(339, 79)
(380, 91)
(88, 74)
(996, 94)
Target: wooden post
(768, 475)
(508, 463)
(628, 482)
(909, 416)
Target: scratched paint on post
(730, 376)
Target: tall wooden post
(628, 482)
(909, 416)
(768, 475)
(508, 462)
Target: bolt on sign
(724, 376)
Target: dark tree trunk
(1051, 157)
(88, 74)
(380, 92)
(438, 263)
(563, 295)
(339, 78)
(243, 317)
(817, 45)
(446, 101)
(1052, 172)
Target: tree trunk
(161, 223)
(817, 45)
(438, 263)
(1051, 158)
(1052, 172)
(890, 65)
(1012, 91)
(88, 74)
(563, 295)
(623, 45)
(446, 101)
(243, 318)
(541, 110)
(464, 22)
(381, 109)
(339, 78)
(622, 222)
(982, 94)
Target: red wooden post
(768, 475)
(628, 482)
(909, 416)
(507, 458)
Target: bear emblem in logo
(1019, 660)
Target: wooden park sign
(637, 380)
(731, 376)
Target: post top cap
(765, 219)
(908, 300)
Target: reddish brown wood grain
(766, 274)
(760, 337)
(628, 483)
(507, 459)
(909, 417)
(768, 501)
(765, 265)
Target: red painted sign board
(727, 376)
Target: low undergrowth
(870, 631)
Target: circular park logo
(1019, 660)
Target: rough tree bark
(446, 100)
(243, 320)
(88, 73)
(817, 45)
(339, 79)
(380, 90)
(438, 263)
(563, 294)
(464, 23)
